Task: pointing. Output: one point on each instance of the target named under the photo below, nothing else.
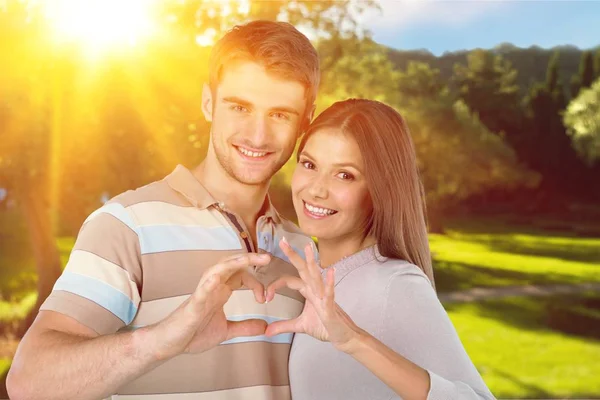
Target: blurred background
(502, 98)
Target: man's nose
(259, 132)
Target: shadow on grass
(537, 392)
(571, 251)
(453, 276)
(573, 315)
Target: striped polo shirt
(142, 254)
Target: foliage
(582, 119)
(487, 84)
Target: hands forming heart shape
(321, 317)
(200, 324)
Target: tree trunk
(47, 259)
(435, 223)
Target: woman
(356, 188)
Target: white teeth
(319, 210)
(251, 153)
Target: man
(144, 307)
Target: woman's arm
(405, 378)
(422, 357)
(419, 354)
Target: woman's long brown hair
(398, 221)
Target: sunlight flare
(100, 24)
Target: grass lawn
(524, 348)
(534, 348)
(483, 254)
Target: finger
(329, 289)
(316, 281)
(295, 258)
(228, 267)
(291, 282)
(250, 281)
(204, 289)
(249, 327)
(285, 326)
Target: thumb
(248, 327)
(285, 326)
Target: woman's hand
(321, 317)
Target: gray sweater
(394, 301)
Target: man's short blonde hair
(278, 46)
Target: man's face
(256, 118)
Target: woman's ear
(207, 102)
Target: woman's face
(329, 188)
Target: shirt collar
(183, 181)
(270, 211)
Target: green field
(523, 347)
(489, 253)
(534, 347)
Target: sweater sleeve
(416, 326)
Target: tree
(360, 69)
(586, 70)
(582, 119)
(457, 155)
(545, 144)
(597, 64)
(27, 169)
(487, 86)
(586, 74)
(141, 112)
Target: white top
(394, 301)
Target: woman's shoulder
(396, 271)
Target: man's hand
(199, 324)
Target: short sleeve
(100, 286)
(416, 326)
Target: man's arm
(60, 358)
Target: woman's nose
(318, 188)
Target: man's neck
(244, 200)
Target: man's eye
(280, 115)
(239, 108)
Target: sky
(444, 25)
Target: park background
(503, 102)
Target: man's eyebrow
(246, 103)
(237, 100)
(286, 109)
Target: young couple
(193, 287)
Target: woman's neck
(333, 250)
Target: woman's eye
(280, 116)
(346, 176)
(308, 165)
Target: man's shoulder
(157, 191)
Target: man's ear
(311, 114)
(308, 118)
(207, 102)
